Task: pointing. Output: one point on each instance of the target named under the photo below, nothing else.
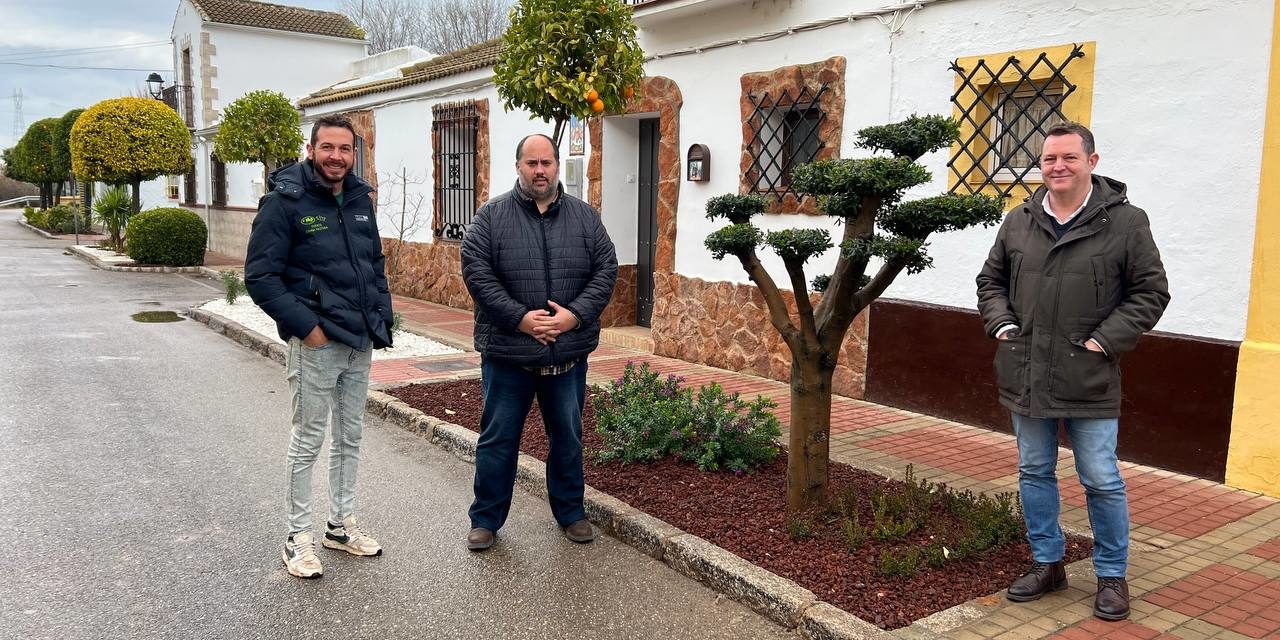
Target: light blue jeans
(1093, 441)
(330, 386)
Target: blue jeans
(330, 386)
(1093, 440)
(508, 395)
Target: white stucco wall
(1178, 110)
(402, 121)
(620, 202)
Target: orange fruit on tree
(598, 105)
(592, 95)
(627, 92)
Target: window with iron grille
(358, 166)
(1005, 103)
(189, 185)
(454, 131)
(219, 181)
(784, 135)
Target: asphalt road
(142, 495)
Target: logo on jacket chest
(314, 224)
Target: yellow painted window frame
(1077, 107)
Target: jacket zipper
(546, 271)
(1057, 300)
(351, 258)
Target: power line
(61, 66)
(51, 53)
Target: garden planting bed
(744, 513)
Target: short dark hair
(332, 120)
(1068, 128)
(555, 151)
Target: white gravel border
(250, 316)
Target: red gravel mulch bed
(744, 514)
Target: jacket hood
(294, 179)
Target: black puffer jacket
(514, 260)
(311, 261)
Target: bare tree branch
(439, 26)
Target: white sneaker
(348, 537)
(300, 558)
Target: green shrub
(397, 322)
(35, 217)
(643, 416)
(167, 236)
(63, 218)
(800, 527)
(114, 208)
(640, 414)
(904, 563)
(727, 433)
(233, 284)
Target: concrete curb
(777, 598)
(95, 261)
(37, 230)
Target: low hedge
(167, 236)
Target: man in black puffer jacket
(541, 269)
(315, 266)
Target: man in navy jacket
(315, 265)
(541, 270)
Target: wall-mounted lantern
(698, 165)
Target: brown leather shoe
(480, 539)
(1112, 601)
(581, 532)
(1040, 579)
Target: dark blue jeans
(508, 395)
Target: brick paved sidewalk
(1204, 561)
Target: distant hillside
(10, 188)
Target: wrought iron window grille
(784, 135)
(455, 127)
(1005, 121)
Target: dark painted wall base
(1178, 390)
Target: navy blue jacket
(312, 262)
(514, 260)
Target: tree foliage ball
(123, 140)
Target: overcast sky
(130, 36)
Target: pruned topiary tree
(37, 159)
(260, 126)
(128, 140)
(568, 58)
(865, 196)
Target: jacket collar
(296, 178)
(531, 206)
(1106, 192)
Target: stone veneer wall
(208, 93)
(793, 80)
(621, 311)
(726, 325)
(429, 271)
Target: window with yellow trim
(1005, 103)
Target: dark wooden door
(648, 220)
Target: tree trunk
(558, 133)
(137, 201)
(810, 440)
(57, 190)
(267, 167)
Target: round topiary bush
(166, 236)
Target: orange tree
(128, 140)
(566, 58)
(261, 126)
(864, 195)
